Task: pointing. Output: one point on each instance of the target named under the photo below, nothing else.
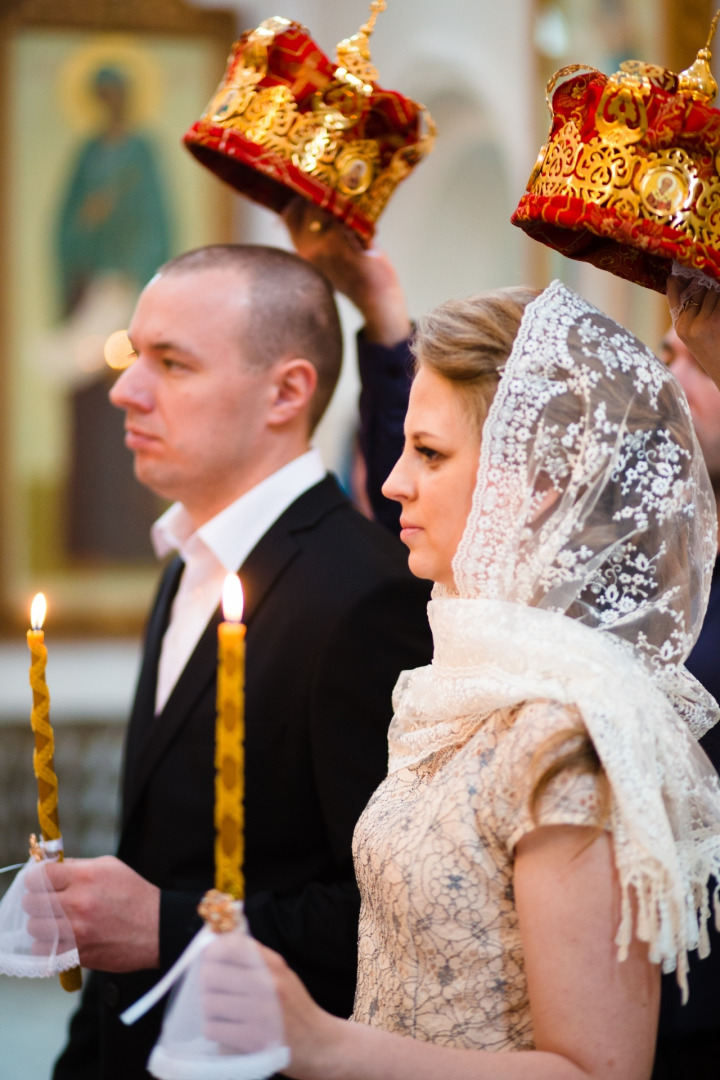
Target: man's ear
(294, 383)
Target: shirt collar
(233, 533)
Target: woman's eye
(428, 453)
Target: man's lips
(137, 439)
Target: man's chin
(152, 478)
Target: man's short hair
(291, 310)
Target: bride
(542, 844)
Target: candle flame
(232, 599)
(38, 610)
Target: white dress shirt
(218, 548)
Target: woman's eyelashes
(428, 452)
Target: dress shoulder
(537, 734)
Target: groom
(237, 353)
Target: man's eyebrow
(165, 346)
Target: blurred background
(94, 98)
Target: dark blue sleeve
(385, 376)
(703, 661)
(695, 1028)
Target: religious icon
(99, 193)
(114, 215)
(663, 190)
(113, 230)
(354, 175)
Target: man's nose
(131, 389)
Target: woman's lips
(408, 530)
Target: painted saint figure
(113, 231)
(114, 217)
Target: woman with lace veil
(543, 842)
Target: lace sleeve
(569, 799)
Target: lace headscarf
(582, 577)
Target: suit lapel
(144, 704)
(261, 570)
(283, 541)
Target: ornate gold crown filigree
(285, 120)
(629, 179)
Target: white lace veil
(592, 501)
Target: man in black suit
(237, 353)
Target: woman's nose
(397, 485)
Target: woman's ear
(294, 384)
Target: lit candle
(229, 744)
(44, 749)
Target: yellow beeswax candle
(229, 745)
(43, 763)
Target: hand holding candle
(43, 763)
(229, 744)
(218, 908)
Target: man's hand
(366, 277)
(698, 324)
(114, 913)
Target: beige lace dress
(440, 955)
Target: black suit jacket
(332, 617)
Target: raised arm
(365, 276)
(698, 324)
(369, 280)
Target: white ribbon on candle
(183, 1052)
(201, 940)
(52, 848)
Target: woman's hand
(698, 324)
(366, 277)
(594, 1018)
(252, 1001)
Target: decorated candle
(40, 720)
(229, 744)
(44, 750)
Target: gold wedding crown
(286, 120)
(629, 179)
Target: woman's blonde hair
(468, 342)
